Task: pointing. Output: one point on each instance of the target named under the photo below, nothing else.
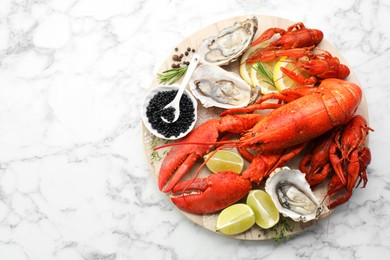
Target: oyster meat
(292, 195)
(228, 45)
(214, 86)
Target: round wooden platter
(155, 158)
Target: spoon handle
(193, 63)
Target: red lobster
(350, 155)
(296, 36)
(298, 42)
(318, 66)
(343, 151)
(277, 137)
(321, 66)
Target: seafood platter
(273, 98)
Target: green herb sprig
(281, 230)
(155, 156)
(172, 75)
(260, 68)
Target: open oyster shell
(216, 87)
(292, 195)
(228, 45)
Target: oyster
(228, 45)
(214, 86)
(292, 195)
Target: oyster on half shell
(216, 87)
(292, 195)
(227, 46)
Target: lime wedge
(266, 213)
(224, 160)
(235, 219)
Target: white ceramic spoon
(175, 103)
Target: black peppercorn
(175, 58)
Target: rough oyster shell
(228, 45)
(292, 195)
(216, 87)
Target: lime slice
(235, 219)
(245, 68)
(224, 160)
(266, 213)
(281, 80)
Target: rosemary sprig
(172, 75)
(260, 68)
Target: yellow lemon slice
(235, 219)
(281, 80)
(266, 213)
(245, 68)
(224, 160)
(262, 76)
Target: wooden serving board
(150, 141)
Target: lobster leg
(316, 162)
(353, 170)
(298, 77)
(211, 194)
(364, 159)
(268, 34)
(263, 164)
(319, 176)
(271, 52)
(287, 95)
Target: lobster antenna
(196, 143)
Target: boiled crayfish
(302, 115)
(341, 151)
(298, 42)
(296, 36)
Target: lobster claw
(211, 194)
(180, 159)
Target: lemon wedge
(266, 213)
(235, 219)
(224, 160)
(260, 79)
(281, 80)
(245, 68)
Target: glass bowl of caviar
(152, 112)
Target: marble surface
(74, 181)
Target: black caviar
(155, 110)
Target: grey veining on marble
(74, 181)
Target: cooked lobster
(296, 36)
(304, 114)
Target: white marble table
(74, 181)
